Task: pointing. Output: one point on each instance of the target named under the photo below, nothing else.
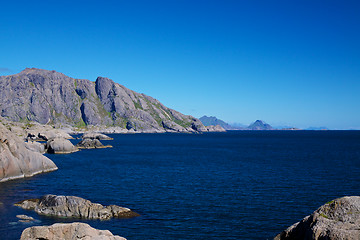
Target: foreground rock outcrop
(50, 97)
(74, 207)
(17, 160)
(338, 219)
(68, 231)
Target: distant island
(257, 125)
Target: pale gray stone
(72, 206)
(17, 160)
(337, 219)
(60, 145)
(67, 231)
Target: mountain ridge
(50, 97)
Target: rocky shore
(337, 219)
(18, 160)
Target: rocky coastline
(18, 159)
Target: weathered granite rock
(81, 103)
(35, 146)
(60, 146)
(216, 128)
(337, 219)
(74, 207)
(89, 143)
(67, 231)
(170, 126)
(17, 161)
(95, 135)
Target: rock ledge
(74, 207)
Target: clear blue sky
(286, 62)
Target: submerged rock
(89, 143)
(74, 231)
(74, 207)
(95, 135)
(25, 218)
(60, 145)
(17, 160)
(337, 219)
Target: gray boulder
(74, 207)
(89, 143)
(337, 219)
(60, 145)
(18, 160)
(95, 135)
(68, 231)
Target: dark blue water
(235, 185)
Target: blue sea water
(234, 185)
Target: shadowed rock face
(74, 230)
(18, 160)
(74, 207)
(51, 97)
(338, 219)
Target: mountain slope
(208, 121)
(52, 97)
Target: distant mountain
(50, 97)
(208, 121)
(238, 126)
(259, 125)
(317, 128)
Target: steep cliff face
(51, 97)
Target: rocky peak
(259, 125)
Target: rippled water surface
(234, 185)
